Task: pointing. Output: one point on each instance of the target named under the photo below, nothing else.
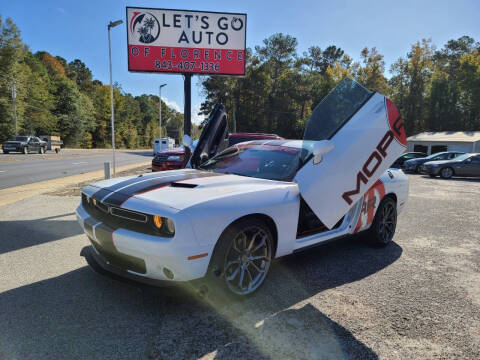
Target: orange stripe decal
(193, 257)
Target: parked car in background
(398, 164)
(413, 165)
(25, 144)
(172, 159)
(463, 165)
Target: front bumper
(428, 170)
(145, 256)
(167, 165)
(409, 167)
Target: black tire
(384, 224)
(223, 265)
(417, 169)
(5, 151)
(41, 150)
(432, 175)
(446, 173)
(25, 150)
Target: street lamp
(111, 25)
(160, 108)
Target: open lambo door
(358, 134)
(214, 137)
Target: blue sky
(77, 29)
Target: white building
(433, 142)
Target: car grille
(162, 157)
(117, 218)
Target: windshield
(274, 162)
(434, 155)
(335, 109)
(21, 138)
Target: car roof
(292, 143)
(254, 135)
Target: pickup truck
(25, 144)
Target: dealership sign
(182, 41)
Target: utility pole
(14, 100)
(160, 109)
(112, 119)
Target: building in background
(433, 142)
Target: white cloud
(197, 119)
(171, 104)
(61, 10)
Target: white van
(160, 144)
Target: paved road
(418, 298)
(19, 169)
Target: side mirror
(320, 148)
(468, 161)
(187, 141)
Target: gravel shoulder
(417, 298)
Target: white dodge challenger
(228, 216)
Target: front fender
(209, 219)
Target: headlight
(173, 158)
(164, 225)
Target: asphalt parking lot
(417, 298)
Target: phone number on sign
(187, 65)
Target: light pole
(112, 120)
(160, 108)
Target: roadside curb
(17, 193)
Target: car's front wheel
(446, 173)
(243, 256)
(25, 150)
(41, 150)
(5, 151)
(383, 227)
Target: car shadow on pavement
(81, 314)
(21, 234)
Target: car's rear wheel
(446, 173)
(432, 175)
(25, 150)
(5, 151)
(242, 257)
(384, 224)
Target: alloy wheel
(387, 224)
(447, 173)
(247, 260)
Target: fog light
(157, 220)
(168, 273)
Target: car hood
(174, 190)
(179, 151)
(13, 142)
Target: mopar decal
(380, 153)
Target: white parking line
(80, 162)
(1, 171)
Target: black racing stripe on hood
(117, 198)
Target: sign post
(186, 42)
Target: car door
(32, 146)
(471, 166)
(367, 136)
(214, 137)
